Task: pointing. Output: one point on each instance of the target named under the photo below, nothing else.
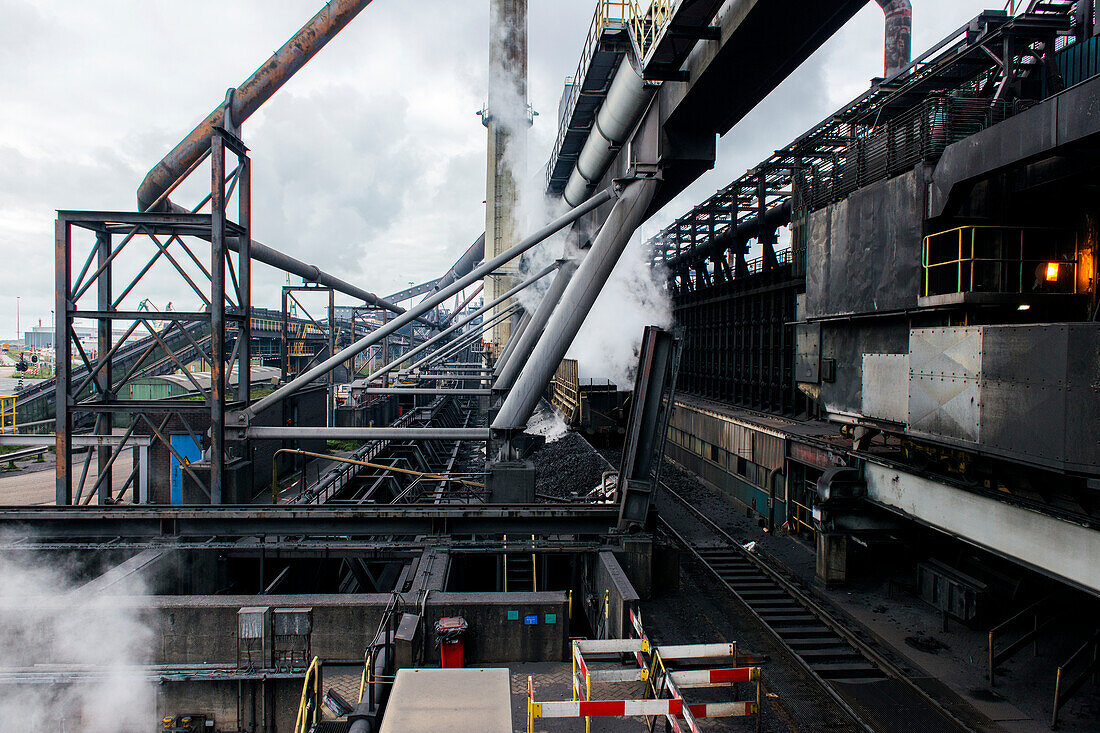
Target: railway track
(876, 692)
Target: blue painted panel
(186, 446)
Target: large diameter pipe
(310, 273)
(899, 35)
(508, 368)
(517, 334)
(473, 316)
(465, 263)
(248, 97)
(626, 100)
(313, 274)
(262, 432)
(576, 302)
(426, 305)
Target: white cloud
(369, 162)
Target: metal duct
(465, 263)
(310, 273)
(248, 97)
(576, 302)
(507, 369)
(899, 32)
(626, 101)
(427, 304)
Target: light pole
(17, 331)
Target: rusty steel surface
(248, 97)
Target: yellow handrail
(7, 413)
(309, 705)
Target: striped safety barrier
(663, 689)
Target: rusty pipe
(899, 33)
(248, 97)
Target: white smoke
(46, 624)
(634, 297)
(549, 422)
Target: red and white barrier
(651, 667)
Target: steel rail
(828, 619)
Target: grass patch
(341, 445)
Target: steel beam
(428, 303)
(468, 319)
(576, 302)
(262, 432)
(427, 391)
(51, 523)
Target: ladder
(520, 570)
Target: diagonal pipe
(511, 362)
(459, 343)
(517, 334)
(468, 319)
(576, 303)
(247, 98)
(427, 304)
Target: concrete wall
(501, 628)
(233, 707)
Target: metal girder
(52, 523)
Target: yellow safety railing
(645, 26)
(7, 413)
(645, 29)
(796, 514)
(309, 709)
(999, 259)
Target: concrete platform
(445, 700)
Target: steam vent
(753, 384)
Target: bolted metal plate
(885, 393)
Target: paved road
(34, 488)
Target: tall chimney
(899, 31)
(507, 117)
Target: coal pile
(567, 468)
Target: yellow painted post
(588, 696)
(573, 680)
(530, 706)
(505, 563)
(534, 568)
(959, 264)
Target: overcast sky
(369, 163)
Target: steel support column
(576, 302)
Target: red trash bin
(451, 631)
